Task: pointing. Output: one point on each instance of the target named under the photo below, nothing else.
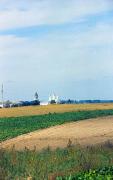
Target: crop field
(12, 127)
(69, 163)
(38, 110)
(88, 132)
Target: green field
(12, 127)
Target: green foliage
(61, 164)
(11, 127)
(105, 173)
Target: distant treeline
(8, 103)
(70, 101)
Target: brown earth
(59, 108)
(87, 132)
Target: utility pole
(2, 91)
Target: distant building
(1, 105)
(53, 99)
(43, 103)
(36, 96)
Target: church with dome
(53, 99)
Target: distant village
(53, 99)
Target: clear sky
(61, 46)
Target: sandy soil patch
(87, 132)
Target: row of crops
(12, 127)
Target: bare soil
(87, 132)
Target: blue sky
(61, 46)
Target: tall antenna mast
(2, 91)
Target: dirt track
(85, 132)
